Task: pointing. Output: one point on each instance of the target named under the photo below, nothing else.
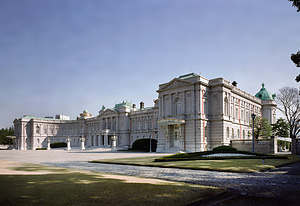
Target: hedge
(144, 145)
(58, 144)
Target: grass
(70, 187)
(230, 165)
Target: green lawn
(58, 186)
(233, 165)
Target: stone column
(114, 143)
(22, 137)
(273, 144)
(94, 140)
(82, 139)
(68, 143)
(48, 143)
(167, 137)
(105, 140)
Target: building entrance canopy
(164, 122)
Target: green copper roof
(34, 117)
(186, 76)
(263, 94)
(29, 117)
(123, 104)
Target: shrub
(144, 145)
(58, 144)
(41, 148)
(224, 149)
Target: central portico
(173, 132)
(181, 114)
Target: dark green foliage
(262, 127)
(281, 128)
(298, 78)
(224, 148)
(198, 156)
(58, 144)
(41, 149)
(296, 58)
(144, 145)
(296, 3)
(6, 132)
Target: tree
(281, 128)
(296, 3)
(296, 57)
(262, 127)
(6, 132)
(289, 104)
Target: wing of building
(191, 114)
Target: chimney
(141, 105)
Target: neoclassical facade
(191, 114)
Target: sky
(65, 56)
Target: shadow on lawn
(94, 189)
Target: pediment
(173, 84)
(107, 112)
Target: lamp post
(253, 117)
(150, 143)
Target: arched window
(238, 133)
(244, 135)
(226, 106)
(37, 129)
(178, 106)
(232, 134)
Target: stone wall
(268, 146)
(295, 146)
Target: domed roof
(85, 111)
(263, 94)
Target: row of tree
(4, 132)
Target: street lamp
(253, 117)
(150, 138)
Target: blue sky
(61, 57)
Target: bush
(41, 149)
(58, 144)
(224, 149)
(144, 145)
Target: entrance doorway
(174, 136)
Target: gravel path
(281, 183)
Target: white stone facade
(191, 114)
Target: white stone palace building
(191, 114)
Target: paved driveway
(282, 183)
